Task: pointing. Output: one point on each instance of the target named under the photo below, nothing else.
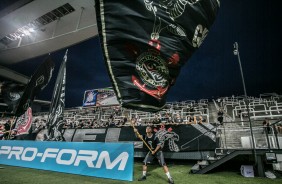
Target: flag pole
(140, 136)
(12, 124)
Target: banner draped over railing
(146, 42)
(176, 138)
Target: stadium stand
(234, 133)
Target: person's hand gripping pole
(139, 136)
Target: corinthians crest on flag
(145, 44)
(23, 123)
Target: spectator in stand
(95, 124)
(203, 119)
(189, 119)
(7, 125)
(200, 119)
(66, 124)
(167, 118)
(117, 123)
(157, 119)
(266, 126)
(178, 119)
(195, 119)
(138, 121)
(13, 134)
(2, 131)
(103, 124)
(109, 121)
(124, 120)
(192, 109)
(76, 124)
(44, 122)
(80, 124)
(220, 116)
(86, 125)
(6, 130)
(145, 123)
(279, 128)
(112, 123)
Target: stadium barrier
(176, 138)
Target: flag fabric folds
(38, 81)
(146, 42)
(12, 94)
(56, 116)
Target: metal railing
(237, 136)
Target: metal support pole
(267, 138)
(275, 133)
(55, 28)
(236, 52)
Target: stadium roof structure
(31, 28)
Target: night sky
(213, 71)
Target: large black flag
(56, 115)
(146, 42)
(38, 81)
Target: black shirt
(152, 141)
(7, 126)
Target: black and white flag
(56, 116)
